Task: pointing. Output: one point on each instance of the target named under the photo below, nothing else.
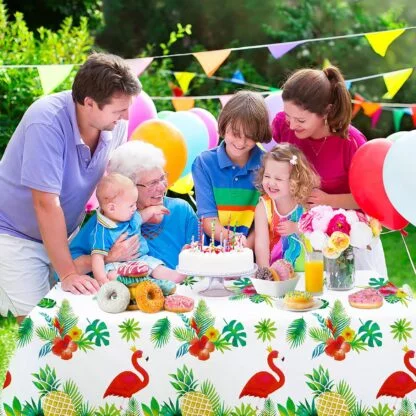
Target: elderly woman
(165, 234)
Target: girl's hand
(318, 197)
(287, 227)
(124, 249)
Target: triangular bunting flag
(414, 114)
(397, 118)
(357, 105)
(274, 89)
(380, 41)
(183, 104)
(370, 108)
(224, 99)
(138, 65)
(53, 75)
(375, 117)
(395, 80)
(326, 63)
(184, 79)
(348, 85)
(238, 77)
(212, 60)
(280, 49)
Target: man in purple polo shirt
(49, 170)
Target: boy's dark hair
(101, 77)
(246, 113)
(322, 92)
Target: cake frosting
(210, 260)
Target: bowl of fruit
(276, 280)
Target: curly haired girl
(285, 180)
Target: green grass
(398, 263)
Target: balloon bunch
(181, 135)
(382, 179)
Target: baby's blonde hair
(303, 177)
(112, 186)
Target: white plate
(281, 305)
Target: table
(245, 337)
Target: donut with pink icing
(366, 299)
(178, 303)
(284, 269)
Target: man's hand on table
(80, 284)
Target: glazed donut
(366, 299)
(298, 300)
(133, 269)
(149, 297)
(178, 303)
(113, 297)
(284, 269)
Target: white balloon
(399, 173)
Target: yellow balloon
(170, 140)
(183, 185)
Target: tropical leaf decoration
(46, 349)
(32, 408)
(268, 409)
(8, 336)
(153, 409)
(25, 332)
(45, 333)
(183, 381)
(243, 410)
(392, 299)
(371, 334)
(183, 334)
(16, 410)
(209, 390)
(318, 350)
(108, 410)
(71, 389)
(66, 317)
(160, 332)
(377, 283)
(98, 333)
(319, 334)
(130, 330)
(47, 303)
(325, 304)
(87, 410)
(339, 318)
(381, 410)
(319, 381)
(182, 350)
(306, 409)
(185, 320)
(242, 283)
(169, 409)
(234, 333)
(360, 409)
(189, 281)
(85, 344)
(287, 410)
(203, 317)
(406, 408)
(357, 344)
(401, 330)
(265, 330)
(296, 333)
(344, 389)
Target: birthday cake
(215, 260)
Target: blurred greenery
(20, 46)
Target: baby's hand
(154, 214)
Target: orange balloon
(170, 140)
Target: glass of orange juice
(314, 272)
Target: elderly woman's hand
(124, 249)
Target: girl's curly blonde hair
(303, 177)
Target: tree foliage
(19, 87)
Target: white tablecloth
(92, 347)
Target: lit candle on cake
(212, 233)
(221, 238)
(200, 234)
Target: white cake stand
(216, 286)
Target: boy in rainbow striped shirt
(224, 176)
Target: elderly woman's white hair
(135, 157)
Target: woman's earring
(326, 121)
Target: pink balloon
(274, 103)
(141, 110)
(210, 123)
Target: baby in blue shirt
(117, 197)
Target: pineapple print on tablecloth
(328, 401)
(193, 402)
(58, 403)
(54, 402)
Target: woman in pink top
(316, 118)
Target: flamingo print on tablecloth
(263, 383)
(128, 383)
(399, 384)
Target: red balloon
(366, 184)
